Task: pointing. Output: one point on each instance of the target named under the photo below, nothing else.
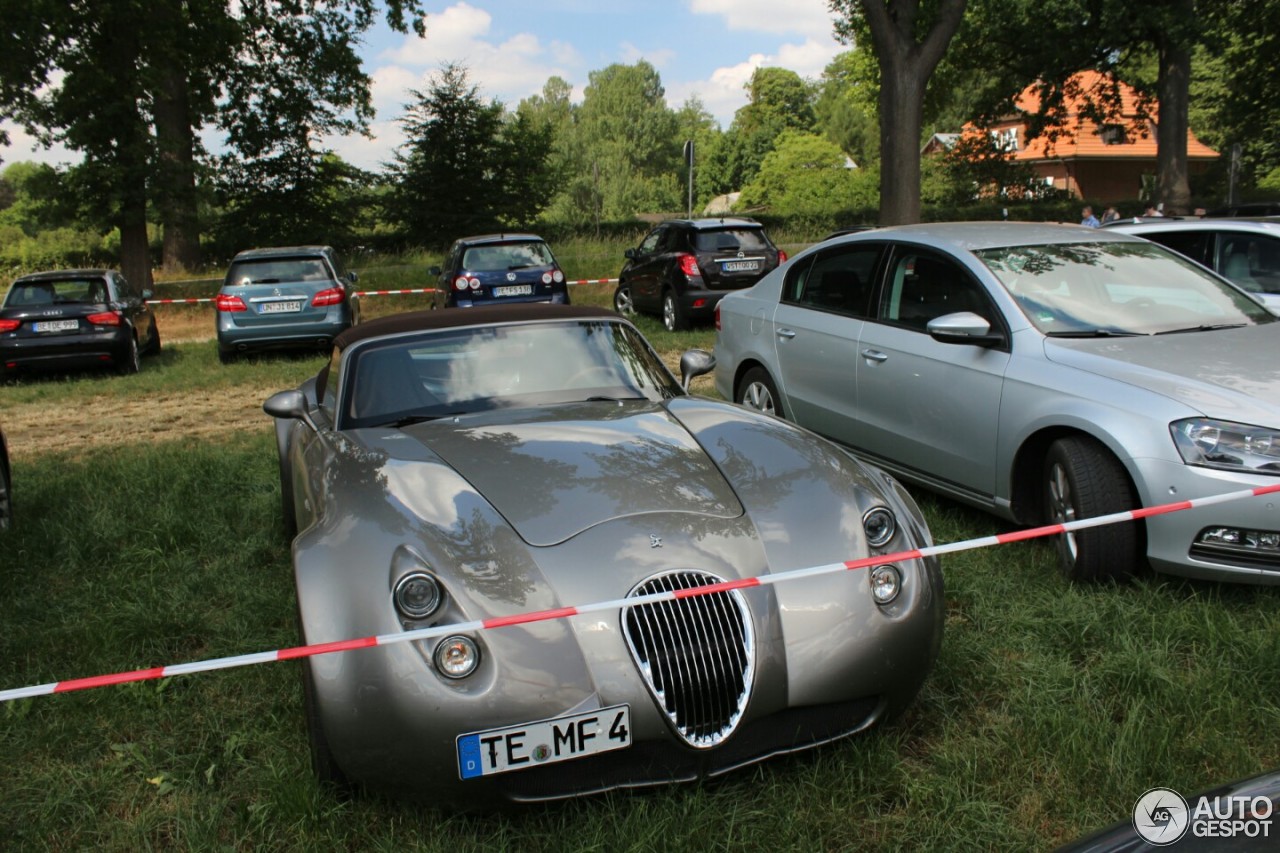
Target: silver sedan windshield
(458, 371)
(1086, 289)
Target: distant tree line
(132, 84)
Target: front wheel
(672, 313)
(622, 302)
(757, 391)
(1082, 479)
(323, 764)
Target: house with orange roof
(1103, 160)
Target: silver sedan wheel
(1061, 508)
(758, 392)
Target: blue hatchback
(493, 268)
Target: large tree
(465, 167)
(909, 43)
(128, 83)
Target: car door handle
(786, 333)
(874, 355)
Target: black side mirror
(433, 270)
(631, 254)
(695, 363)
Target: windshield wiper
(1095, 333)
(410, 420)
(1206, 327)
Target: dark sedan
(76, 318)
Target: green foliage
(846, 106)
(294, 197)
(463, 169)
(808, 174)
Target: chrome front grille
(697, 655)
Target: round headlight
(886, 583)
(879, 525)
(457, 657)
(417, 595)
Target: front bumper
(1172, 539)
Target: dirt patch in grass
(103, 422)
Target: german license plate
(543, 742)
(514, 290)
(740, 266)
(279, 307)
(56, 326)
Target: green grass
(1051, 709)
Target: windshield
(731, 240)
(1117, 289)
(69, 291)
(507, 256)
(460, 371)
(277, 270)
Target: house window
(1006, 139)
(1112, 134)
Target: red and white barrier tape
(616, 604)
(400, 292)
(395, 292)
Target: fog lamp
(886, 582)
(879, 525)
(457, 657)
(417, 595)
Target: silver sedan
(1043, 373)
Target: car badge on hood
(655, 541)
(511, 276)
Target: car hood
(553, 473)
(1220, 373)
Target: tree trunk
(1173, 187)
(901, 118)
(175, 177)
(905, 68)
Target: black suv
(684, 267)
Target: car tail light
(474, 283)
(226, 302)
(106, 318)
(9, 325)
(546, 278)
(688, 265)
(557, 276)
(460, 283)
(782, 257)
(328, 296)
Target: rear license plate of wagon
(56, 326)
(514, 290)
(279, 307)
(543, 742)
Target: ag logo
(511, 276)
(1160, 816)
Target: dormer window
(1113, 134)
(1006, 139)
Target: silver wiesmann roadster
(448, 467)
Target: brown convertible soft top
(431, 320)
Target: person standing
(1087, 219)
(1110, 215)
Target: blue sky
(706, 48)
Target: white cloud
(25, 147)
(810, 18)
(659, 58)
(724, 92)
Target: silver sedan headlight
(1227, 446)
